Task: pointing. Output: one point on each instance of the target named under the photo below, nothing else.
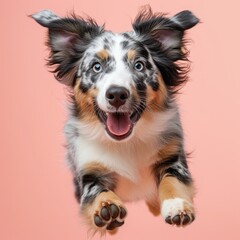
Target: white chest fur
(131, 163)
(130, 160)
(144, 188)
(125, 160)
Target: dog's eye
(97, 67)
(138, 66)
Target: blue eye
(138, 66)
(97, 67)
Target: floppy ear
(168, 32)
(67, 39)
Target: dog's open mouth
(119, 125)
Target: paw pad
(180, 219)
(110, 216)
(177, 211)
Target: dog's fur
(129, 146)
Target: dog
(124, 137)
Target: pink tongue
(118, 123)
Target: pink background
(37, 199)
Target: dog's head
(118, 78)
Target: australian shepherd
(124, 136)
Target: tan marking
(103, 54)
(156, 99)
(131, 55)
(171, 148)
(171, 187)
(154, 207)
(85, 102)
(134, 92)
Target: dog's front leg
(176, 199)
(176, 190)
(100, 206)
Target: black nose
(117, 96)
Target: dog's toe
(109, 216)
(178, 212)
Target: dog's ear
(67, 40)
(168, 32)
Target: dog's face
(117, 79)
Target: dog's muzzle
(119, 123)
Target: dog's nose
(117, 96)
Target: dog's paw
(109, 215)
(177, 211)
(106, 212)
